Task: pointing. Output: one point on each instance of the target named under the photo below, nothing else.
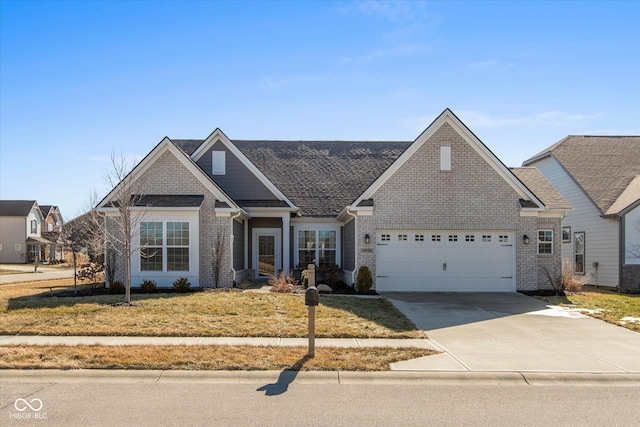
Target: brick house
(441, 213)
(600, 177)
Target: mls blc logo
(23, 405)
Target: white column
(285, 242)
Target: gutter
(231, 238)
(355, 255)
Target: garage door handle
(506, 277)
(444, 266)
(382, 277)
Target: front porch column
(285, 243)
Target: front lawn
(612, 307)
(228, 358)
(30, 310)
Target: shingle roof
(165, 200)
(604, 166)
(16, 207)
(541, 187)
(319, 177)
(322, 177)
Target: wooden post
(312, 331)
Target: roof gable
(447, 117)
(603, 166)
(166, 145)
(256, 187)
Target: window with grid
(435, 237)
(317, 247)
(419, 237)
(545, 242)
(453, 237)
(486, 238)
(385, 237)
(469, 238)
(151, 237)
(177, 246)
(34, 227)
(503, 238)
(402, 237)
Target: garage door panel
(458, 261)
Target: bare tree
(125, 211)
(218, 255)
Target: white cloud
(548, 118)
(400, 50)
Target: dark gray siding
(349, 246)
(238, 181)
(238, 245)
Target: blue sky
(80, 79)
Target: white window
(17, 247)
(503, 238)
(545, 242)
(317, 247)
(164, 246)
(578, 249)
(218, 164)
(402, 237)
(486, 238)
(469, 238)
(385, 237)
(34, 227)
(435, 237)
(453, 237)
(419, 237)
(49, 226)
(445, 158)
(0, 247)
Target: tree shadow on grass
(286, 377)
(377, 310)
(65, 297)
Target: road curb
(322, 377)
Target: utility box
(311, 296)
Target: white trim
(447, 116)
(218, 163)
(219, 135)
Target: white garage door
(471, 261)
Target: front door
(266, 255)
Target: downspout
(355, 255)
(231, 237)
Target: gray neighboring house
(600, 177)
(21, 231)
(440, 213)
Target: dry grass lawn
(29, 310)
(612, 307)
(248, 358)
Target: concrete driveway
(514, 332)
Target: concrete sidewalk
(261, 341)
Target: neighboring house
(51, 230)
(600, 177)
(21, 231)
(441, 213)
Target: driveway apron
(514, 332)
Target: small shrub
(91, 273)
(116, 288)
(148, 286)
(364, 281)
(572, 282)
(331, 273)
(182, 285)
(282, 283)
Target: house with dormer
(440, 213)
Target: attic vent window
(218, 163)
(445, 158)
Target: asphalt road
(285, 399)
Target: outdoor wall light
(367, 239)
(525, 238)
